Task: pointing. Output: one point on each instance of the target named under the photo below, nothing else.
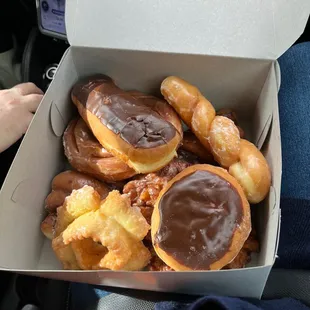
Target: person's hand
(17, 106)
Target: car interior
(30, 51)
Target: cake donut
(191, 144)
(62, 186)
(65, 182)
(87, 155)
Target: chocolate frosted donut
(161, 107)
(87, 155)
(201, 219)
(130, 126)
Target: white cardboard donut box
(228, 49)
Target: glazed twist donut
(252, 172)
(221, 136)
(229, 113)
(195, 110)
(224, 140)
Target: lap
(294, 109)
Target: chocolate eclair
(142, 131)
(201, 219)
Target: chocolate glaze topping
(198, 216)
(129, 116)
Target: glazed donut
(229, 113)
(201, 219)
(194, 109)
(199, 115)
(65, 182)
(191, 144)
(252, 172)
(221, 136)
(86, 154)
(137, 132)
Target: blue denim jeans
(294, 108)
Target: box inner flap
(38, 160)
(249, 28)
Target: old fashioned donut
(191, 144)
(194, 109)
(65, 182)
(201, 219)
(48, 225)
(140, 134)
(252, 172)
(87, 155)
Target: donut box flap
(261, 29)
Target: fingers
(26, 122)
(32, 95)
(32, 102)
(13, 132)
(27, 89)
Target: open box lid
(249, 28)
